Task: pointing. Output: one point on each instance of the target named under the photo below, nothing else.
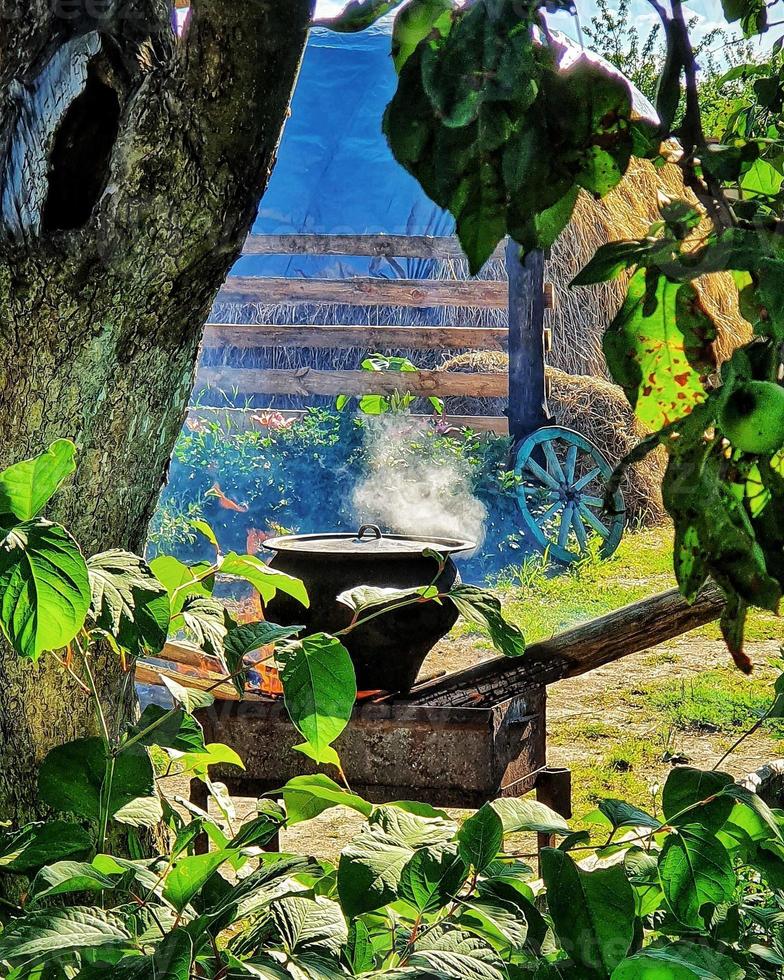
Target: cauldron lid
(370, 541)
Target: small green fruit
(753, 417)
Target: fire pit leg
(200, 798)
(554, 789)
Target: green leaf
(49, 934)
(319, 688)
(44, 587)
(324, 756)
(27, 487)
(71, 777)
(265, 580)
(65, 877)
(190, 699)
(610, 260)
(695, 869)
(432, 877)
(215, 754)
(30, 848)
(416, 23)
(359, 948)
(245, 639)
(502, 923)
(645, 347)
(643, 871)
(128, 602)
(752, 14)
(622, 814)
(592, 911)
(358, 14)
(483, 608)
(190, 874)
(314, 924)
(519, 814)
(207, 623)
(143, 811)
(700, 794)
(363, 598)
(308, 796)
(207, 531)
(369, 871)
(679, 961)
(457, 955)
(481, 837)
(182, 581)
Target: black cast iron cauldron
(388, 651)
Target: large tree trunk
(131, 166)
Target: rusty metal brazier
(388, 651)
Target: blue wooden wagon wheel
(561, 493)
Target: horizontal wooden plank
(307, 381)
(366, 291)
(254, 335)
(395, 246)
(243, 419)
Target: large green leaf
(432, 877)
(66, 877)
(480, 838)
(696, 796)
(128, 601)
(501, 922)
(30, 848)
(695, 870)
(27, 487)
(71, 777)
(417, 22)
(308, 796)
(645, 347)
(265, 580)
(521, 814)
(622, 814)
(50, 934)
(182, 581)
(320, 689)
(455, 954)
(44, 587)
(190, 874)
(247, 638)
(314, 924)
(369, 871)
(206, 622)
(482, 607)
(679, 961)
(592, 911)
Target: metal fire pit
(445, 756)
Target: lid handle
(373, 529)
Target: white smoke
(406, 492)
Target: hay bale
(583, 312)
(597, 409)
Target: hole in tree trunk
(79, 161)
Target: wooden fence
(524, 296)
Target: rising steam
(406, 492)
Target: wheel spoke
(579, 531)
(592, 501)
(594, 521)
(550, 512)
(554, 466)
(537, 491)
(585, 480)
(571, 460)
(533, 467)
(563, 530)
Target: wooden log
(527, 387)
(244, 419)
(365, 291)
(249, 336)
(397, 246)
(307, 381)
(633, 628)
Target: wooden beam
(366, 291)
(244, 419)
(396, 246)
(527, 391)
(633, 628)
(307, 381)
(249, 336)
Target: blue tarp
(335, 174)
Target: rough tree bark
(131, 166)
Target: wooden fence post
(527, 409)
